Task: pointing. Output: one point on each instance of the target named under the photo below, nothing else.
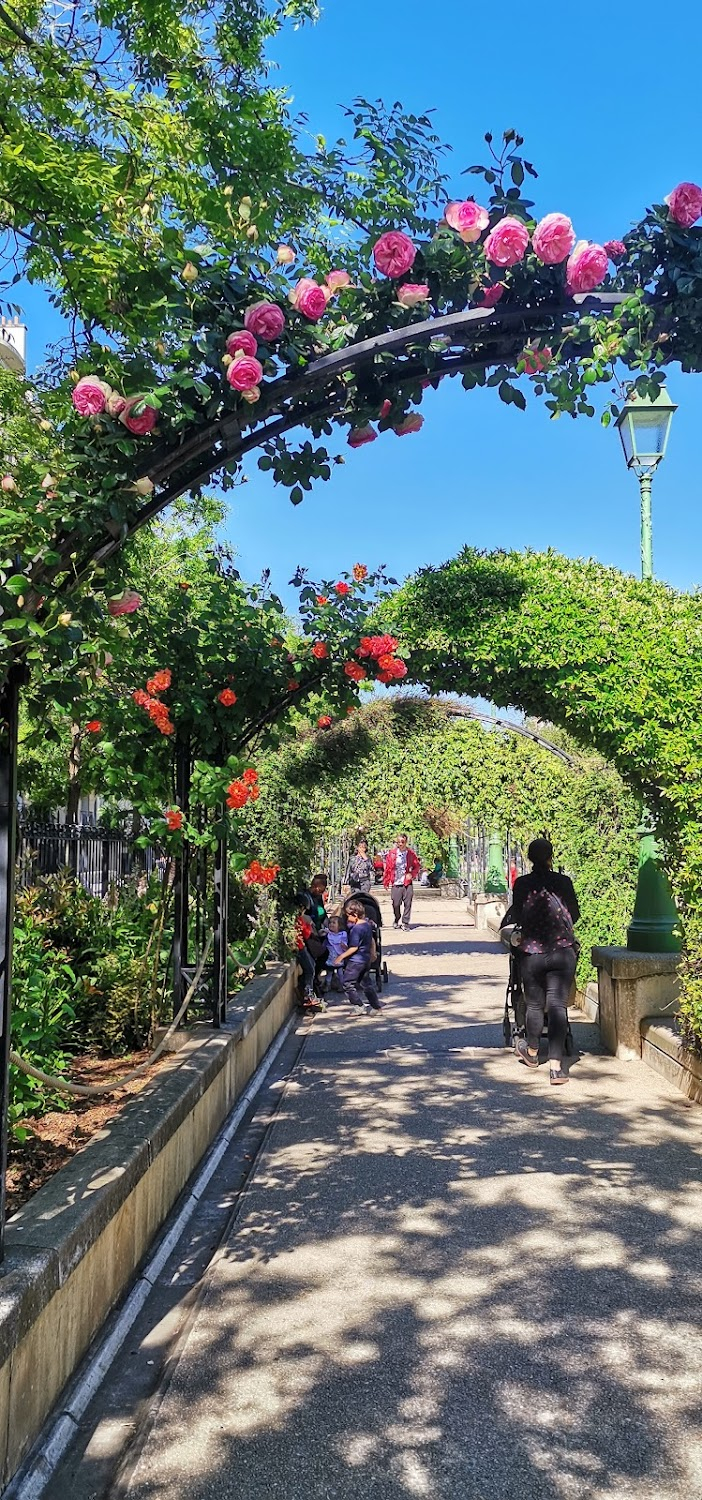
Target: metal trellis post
(9, 714)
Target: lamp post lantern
(644, 428)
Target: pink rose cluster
(244, 373)
(685, 204)
(506, 244)
(359, 436)
(394, 254)
(265, 320)
(586, 268)
(468, 219)
(92, 396)
(126, 604)
(310, 299)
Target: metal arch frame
(458, 711)
(480, 337)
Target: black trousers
(547, 980)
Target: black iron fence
(97, 858)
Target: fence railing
(97, 859)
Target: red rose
(237, 795)
(93, 726)
(160, 682)
(342, 588)
(320, 650)
(227, 698)
(174, 819)
(250, 777)
(355, 671)
(324, 721)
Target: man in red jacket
(401, 867)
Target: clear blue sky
(608, 136)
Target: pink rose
(394, 253)
(553, 239)
(252, 395)
(468, 219)
(491, 295)
(337, 280)
(265, 320)
(115, 404)
(90, 396)
(244, 373)
(310, 299)
(7, 484)
(142, 423)
(685, 204)
(285, 255)
(125, 605)
(385, 409)
(411, 293)
(411, 423)
(587, 267)
(507, 242)
(536, 360)
(616, 250)
(243, 340)
(358, 436)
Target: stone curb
(665, 1052)
(75, 1246)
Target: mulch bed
(57, 1136)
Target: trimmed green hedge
(615, 661)
(381, 769)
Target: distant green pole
(645, 484)
(453, 867)
(655, 926)
(495, 883)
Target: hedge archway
(614, 661)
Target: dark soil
(57, 1136)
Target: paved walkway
(445, 1278)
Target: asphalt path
(445, 1278)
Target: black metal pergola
(477, 339)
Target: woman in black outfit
(360, 873)
(545, 906)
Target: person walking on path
(401, 869)
(360, 871)
(545, 906)
(357, 960)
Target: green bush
(385, 767)
(45, 989)
(614, 661)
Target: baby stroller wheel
(507, 1031)
(386, 976)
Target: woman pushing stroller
(545, 907)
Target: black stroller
(375, 916)
(514, 1020)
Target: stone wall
(75, 1247)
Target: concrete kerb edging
(665, 1052)
(74, 1248)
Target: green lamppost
(495, 883)
(644, 427)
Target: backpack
(546, 920)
